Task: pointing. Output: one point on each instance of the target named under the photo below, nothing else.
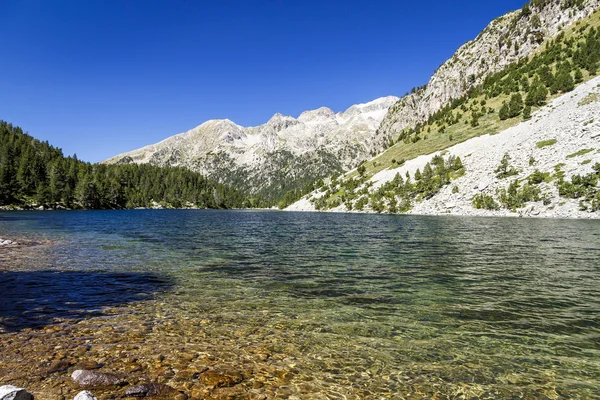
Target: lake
(303, 305)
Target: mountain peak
(319, 113)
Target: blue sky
(98, 78)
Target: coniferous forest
(36, 174)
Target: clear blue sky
(98, 78)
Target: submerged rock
(221, 378)
(85, 395)
(6, 242)
(9, 392)
(58, 366)
(154, 389)
(88, 378)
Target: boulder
(9, 392)
(89, 378)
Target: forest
(34, 174)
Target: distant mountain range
(283, 154)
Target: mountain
(284, 154)
(532, 120)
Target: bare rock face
(9, 392)
(504, 41)
(90, 378)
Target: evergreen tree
(515, 106)
(504, 112)
(563, 82)
(578, 76)
(526, 113)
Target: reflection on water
(362, 306)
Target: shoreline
(472, 214)
(455, 215)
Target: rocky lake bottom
(266, 305)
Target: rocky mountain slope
(555, 156)
(504, 41)
(283, 154)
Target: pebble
(89, 365)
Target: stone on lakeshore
(9, 392)
(85, 395)
(154, 389)
(88, 378)
(215, 379)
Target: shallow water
(316, 305)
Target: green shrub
(580, 153)
(584, 187)
(505, 170)
(485, 202)
(538, 177)
(516, 196)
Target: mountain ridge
(221, 144)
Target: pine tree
(515, 106)
(417, 175)
(526, 113)
(504, 112)
(578, 76)
(7, 174)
